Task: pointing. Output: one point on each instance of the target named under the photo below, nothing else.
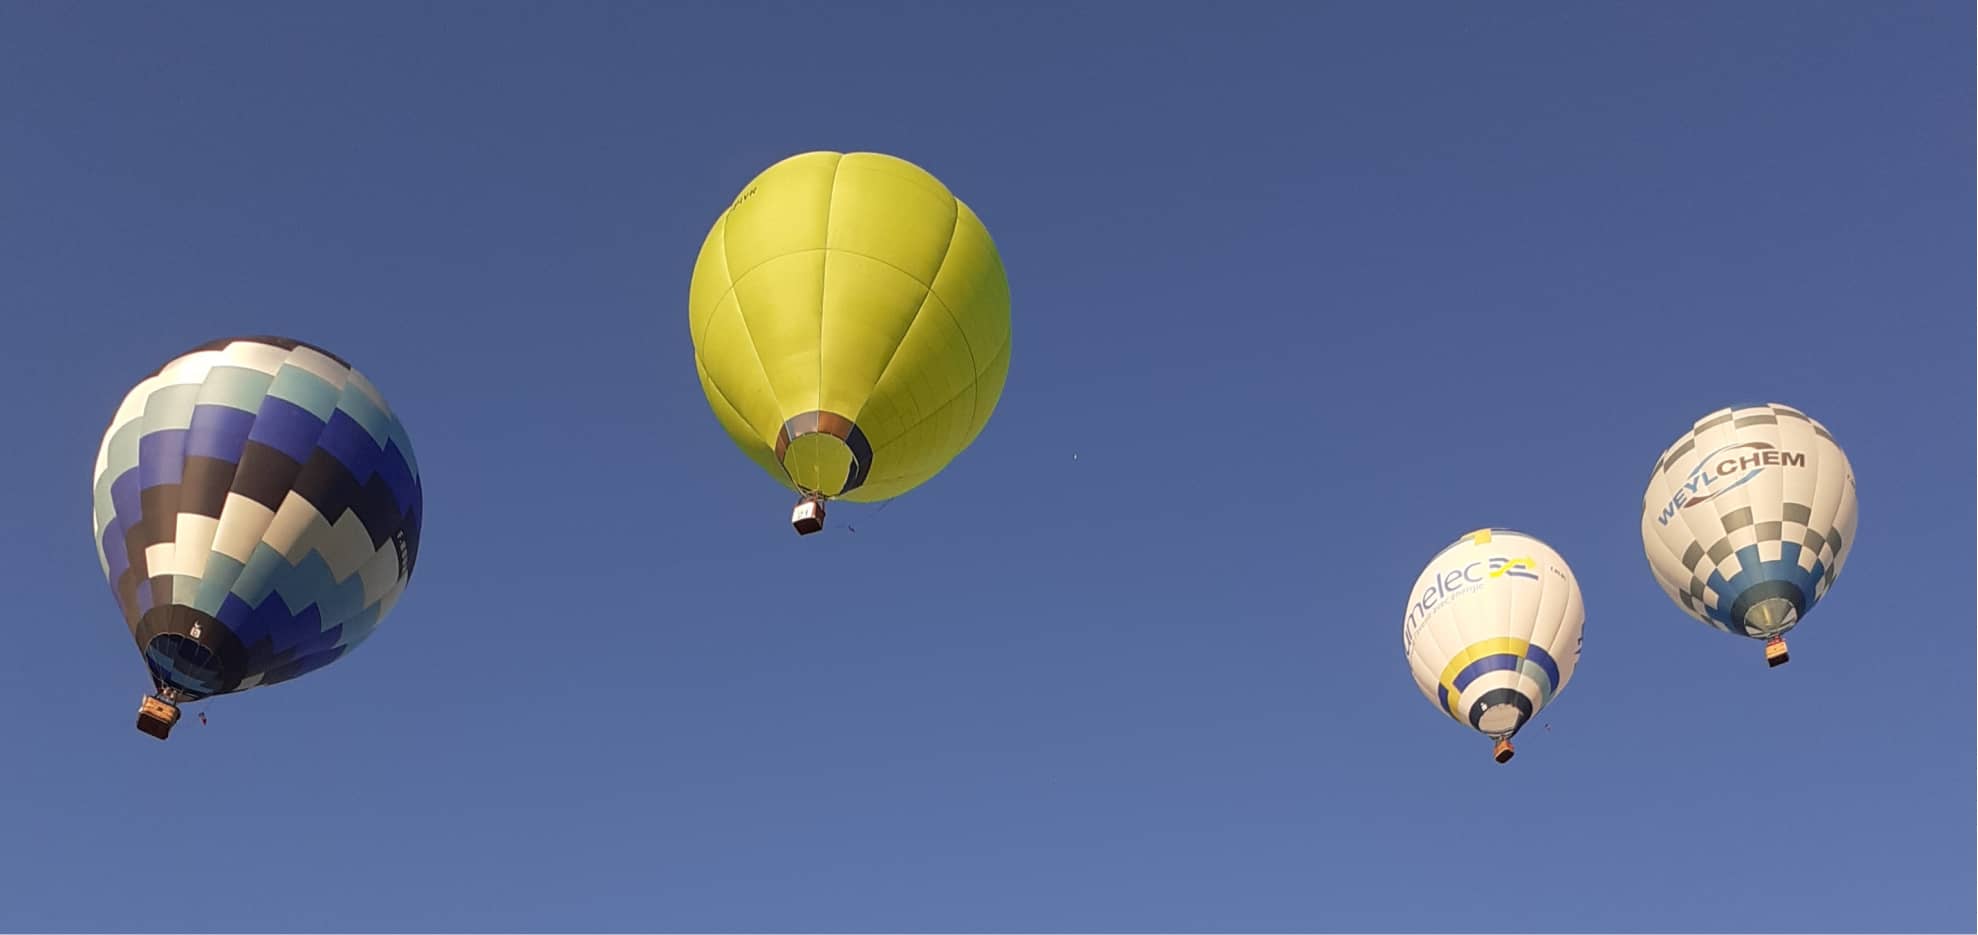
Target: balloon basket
(1775, 652)
(1503, 751)
(808, 517)
(155, 716)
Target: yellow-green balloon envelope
(851, 326)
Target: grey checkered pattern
(1812, 505)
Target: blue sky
(1308, 289)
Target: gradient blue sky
(1308, 290)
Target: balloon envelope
(1748, 517)
(851, 324)
(257, 514)
(1492, 629)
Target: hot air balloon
(1492, 631)
(851, 327)
(257, 515)
(1747, 520)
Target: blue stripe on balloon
(286, 427)
(1546, 662)
(257, 624)
(124, 497)
(296, 633)
(398, 476)
(218, 432)
(318, 642)
(367, 414)
(161, 458)
(1490, 663)
(114, 553)
(124, 493)
(291, 630)
(234, 614)
(404, 443)
(302, 666)
(351, 445)
(282, 631)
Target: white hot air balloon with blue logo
(1748, 518)
(1492, 631)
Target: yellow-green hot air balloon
(851, 326)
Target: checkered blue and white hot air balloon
(257, 515)
(1492, 631)
(1748, 518)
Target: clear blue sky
(1308, 289)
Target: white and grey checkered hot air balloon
(257, 514)
(1492, 631)
(1748, 518)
